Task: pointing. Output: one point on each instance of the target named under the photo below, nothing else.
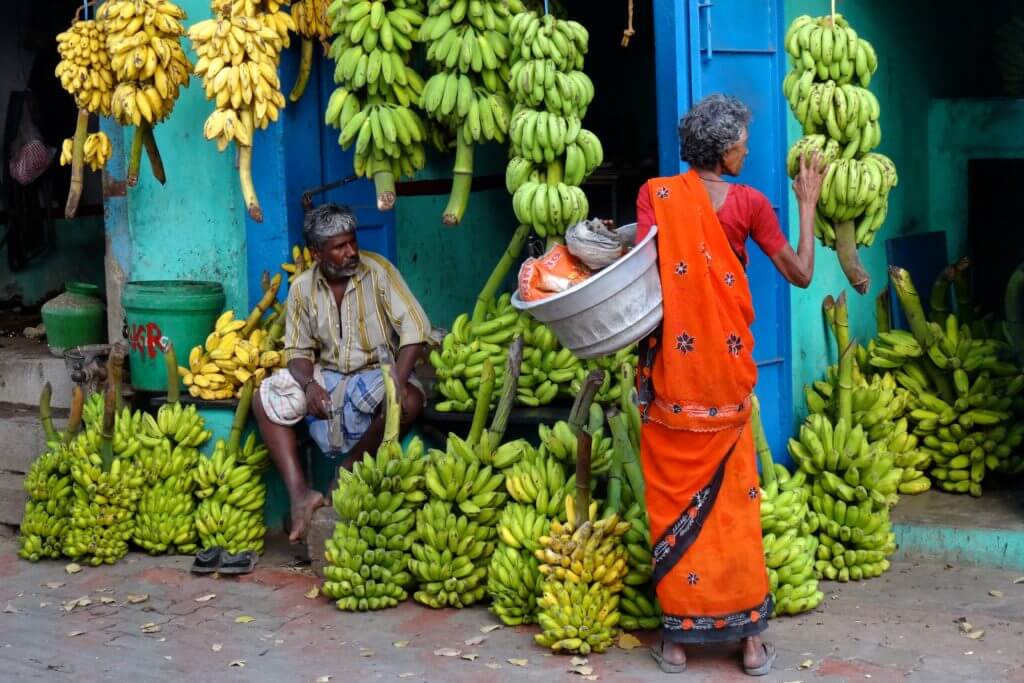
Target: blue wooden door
(730, 46)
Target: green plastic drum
(158, 311)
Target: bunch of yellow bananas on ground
(238, 351)
(310, 17)
(584, 568)
(514, 578)
(48, 485)
(377, 85)
(96, 152)
(302, 260)
(368, 555)
(469, 51)
(239, 52)
(552, 154)
(84, 68)
(230, 487)
(450, 557)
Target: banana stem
(962, 291)
(497, 277)
(939, 301)
(45, 416)
(305, 66)
(627, 403)
(614, 501)
(462, 182)
(577, 419)
(555, 172)
(882, 319)
(115, 371)
(173, 383)
(384, 186)
(75, 417)
(849, 261)
(135, 158)
(513, 366)
(107, 431)
(842, 322)
(1015, 310)
(483, 403)
(910, 302)
(828, 307)
(77, 164)
(241, 415)
(764, 451)
(252, 202)
(847, 351)
(392, 410)
(630, 465)
(156, 163)
(265, 302)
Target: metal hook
(307, 196)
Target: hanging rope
(83, 11)
(629, 32)
(833, 12)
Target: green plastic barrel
(158, 311)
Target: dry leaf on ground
(323, 679)
(492, 665)
(238, 663)
(367, 653)
(807, 664)
(244, 619)
(313, 593)
(627, 641)
(54, 584)
(996, 594)
(73, 568)
(136, 599)
(72, 634)
(475, 640)
(400, 643)
(582, 670)
(489, 628)
(206, 598)
(447, 652)
(519, 662)
(579, 661)
(216, 647)
(472, 657)
(107, 600)
(150, 628)
(976, 635)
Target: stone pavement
(264, 627)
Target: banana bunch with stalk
(310, 17)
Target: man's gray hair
(708, 130)
(327, 221)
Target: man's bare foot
(302, 511)
(674, 653)
(754, 653)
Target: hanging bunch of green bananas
(229, 485)
(584, 568)
(451, 556)
(841, 121)
(239, 53)
(552, 154)
(369, 552)
(377, 87)
(469, 51)
(310, 17)
(48, 484)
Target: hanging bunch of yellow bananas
(144, 42)
(238, 351)
(372, 105)
(310, 17)
(239, 52)
(85, 73)
(302, 260)
(96, 152)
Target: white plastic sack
(595, 244)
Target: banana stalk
(613, 502)
(384, 185)
(462, 182)
(577, 417)
(392, 410)
(252, 202)
(882, 320)
(241, 415)
(1015, 311)
(847, 351)
(173, 381)
(75, 416)
(45, 416)
(939, 301)
(305, 66)
(962, 292)
(134, 158)
(627, 403)
(486, 296)
(828, 307)
(764, 452)
(107, 430)
(483, 403)
(268, 299)
(156, 163)
(77, 162)
(513, 367)
(910, 301)
(849, 261)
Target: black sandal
(207, 561)
(770, 655)
(242, 563)
(658, 653)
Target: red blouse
(745, 213)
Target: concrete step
(25, 366)
(986, 531)
(23, 440)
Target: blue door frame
(730, 46)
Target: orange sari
(696, 378)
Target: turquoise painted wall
(194, 226)
(77, 255)
(911, 71)
(446, 267)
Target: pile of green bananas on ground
(638, 603)
(230, 487)
(450, 557)
(854, 539)
(546, 368)
(377, 87)
(540, 480)
(457, 475)
(552, 154)
(513, 577)
(467, 96)
(368, 554)
(165, 520)
(48, 484)
(584, 567)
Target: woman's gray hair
(710, 128)
(327, 221)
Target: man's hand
(807, 184)
(318, 401)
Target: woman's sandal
(658, 653)
(770, 655)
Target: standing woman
(696, 378)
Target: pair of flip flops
(658, 653)
(220, 561)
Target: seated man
(347, 315)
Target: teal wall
(914, 66)
(77, 255)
